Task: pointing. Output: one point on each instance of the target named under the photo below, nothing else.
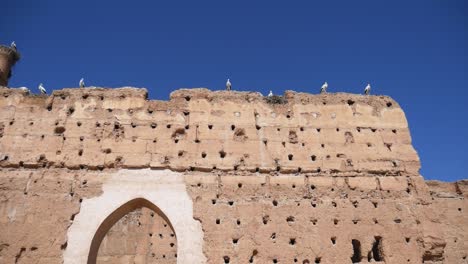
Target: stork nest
(12, 54)
(276, 99)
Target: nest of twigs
(276, 99)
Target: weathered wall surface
(321, 179)
(339, 134)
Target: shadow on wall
(113, 218)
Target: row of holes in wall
(233, 127)
(154, 125)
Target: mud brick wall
(341, 134)
(100, 175)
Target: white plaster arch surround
(165, 189)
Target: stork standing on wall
(367, 89)
(82, 84)
(324, 88)
(42, 89)
(270, 94)
(13, 45)
(228, 85)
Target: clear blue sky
(414, 51)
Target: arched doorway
(161, 191)
(137, 232)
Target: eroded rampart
(302, 178)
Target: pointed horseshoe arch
(114, 217)
(162, 191)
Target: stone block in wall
(362, 183)
(391, 183)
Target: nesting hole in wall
(233, 127)
(203, 155)
(394, 131)
(222, 154)
(333, 204)
(290, 157)
(336, 221)
(376, 253)
(254, 253)
(389, 104)
(333, 240)
(407, 239)
(218, 221)
(357, 256)
(235, 240)
(226, 259)
(318, 130)
(292, 241)
(59, 130)
(290, 219)
(388, 146)
(210, 127)
(70, 110)
(265, 219)
(318, 260)
(80, 152)
(275, 203)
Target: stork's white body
(367, 89)
(82, 84)
(42, 89)
(270, 94)
(324, 88)
(228, 85)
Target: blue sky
(414, 51)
